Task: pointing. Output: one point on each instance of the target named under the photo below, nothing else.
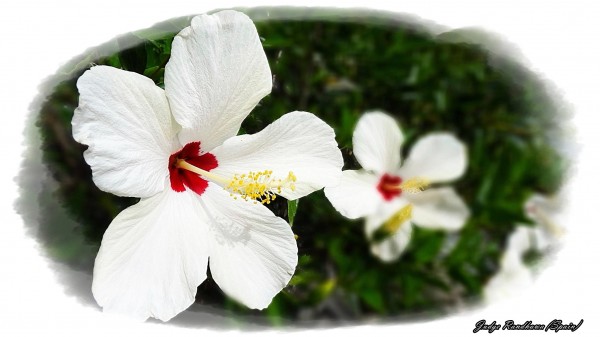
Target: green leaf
(325, 288)
(428, 243)
(150, 71)
(274, 312)
(133, 58)
(374, 299)
(292, 208)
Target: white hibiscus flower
(513, 276)
(201, 186)
(393, 197)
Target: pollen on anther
(260, 185)
(395, 221)
(414, 185)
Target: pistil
(257, 186)
(391, 186)
(211, 176)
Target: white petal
(125, 120)
(513, 276)
(545, 204)
(298, 142)
(376, 141)
(542, 239)
(217, 73)
(390, 248)
(356, 196)
(519, 241)
(153, 256)
(525, 237)
(253, 253)
(547, 212)
(507, 283)
(437, 157)
(439, 208)
(383, 212)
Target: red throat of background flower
(181, 178)
(389, 186)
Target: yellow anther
(414, 185)
(395, 221)
(260, 186)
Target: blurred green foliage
(339, 66)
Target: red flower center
(389, 186)
(180, 178)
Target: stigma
(182, 178)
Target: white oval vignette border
(554, 39)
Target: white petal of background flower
(507, 282)
(125, 120)
(390, 248)
(253, 253)
(298, 142)
(439, 208)
(356, 195)
(383, 212)
(376, 142)
(216, 75)
(437, 157)
(513, 276)
(548, 213)
(153, 257)
(519, 241)
(543, 239)
(527, 237)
